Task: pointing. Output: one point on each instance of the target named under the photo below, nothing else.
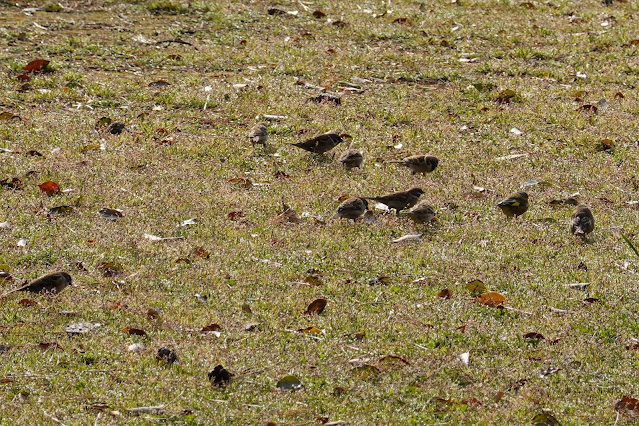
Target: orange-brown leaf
(49, 188)
(25, 303)
(135, 331)
(36, 65)
(534, 336)
(628, 406)
(201, 252)
(445, 294)
(212, 327)
(316, 307)
(491, 298)
(310, 330)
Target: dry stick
(517, 310)
(53, 418)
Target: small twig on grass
(178, 41)
(517, 310)
(53, 418)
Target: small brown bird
(351, 158)
(258, 134)
(320, 144)
(515, 205)
(582, 222)
(419, 163)
(400, 200)
(50, 283)
(352, 208)
(421, 213)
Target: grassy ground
(432, 83)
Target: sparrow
(258, 134)
(419, 163)
(220, 376)
(515, 205)
(351, 208)
(320, 144)
(50, 283)
(582, 221)
(167, 355)
(351, 158)
(421, 213)
(400, 200)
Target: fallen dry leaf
(316, 307)
(49, 188)
(36, 65)
(491, 298)
(134, 331)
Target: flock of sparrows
(582, 221)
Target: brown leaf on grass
(37, 65)
(273, 11)
(310, 330)
(340, 24)
(445, 294)
(604, 145)
(235, 216)
(14, 183)
(316, 307)
(588, 108)
(200, 252)
(318, 14)
(212, 327)
(110, 214)
(591, 300)
(534, 336)
(33, 153)
(49, 345)
(241, 182)
(620, 95)
(628, 406)
(134, 331)
(26, 303)
(22, 89)
(49, 188)
(403, 20)
(491, 298)
(6, 115)
(23, 77)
